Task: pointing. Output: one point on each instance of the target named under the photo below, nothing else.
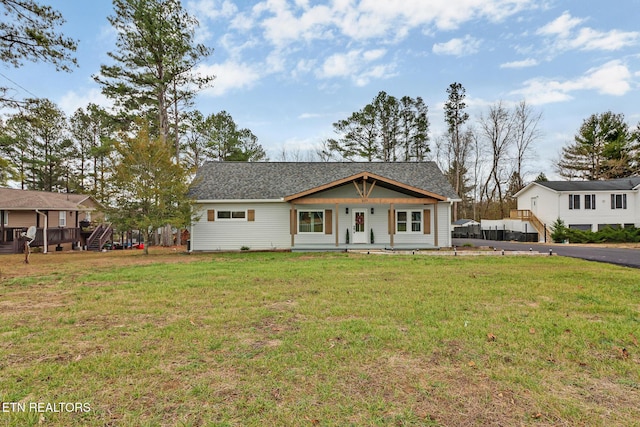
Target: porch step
(6, 248)
(94, 246)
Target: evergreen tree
(458, 144)
(39, 146)
(28, 32)
(603, 148)
(152, 187)
(386, 129)
(541, 177)
(92, 130)
(154, 62)
(14, 145)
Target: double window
(310, 221)
(408, 221)
(574, 201)
(225, 215)
(618, 201)
(229, 215)
(589, 201)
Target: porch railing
(55, 236)
(527, 215)
(101, 235)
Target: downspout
(44, 231)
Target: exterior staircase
(101, 235)
(7, 248)
(544, 232)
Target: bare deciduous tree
(497, 130)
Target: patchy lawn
(316, 339)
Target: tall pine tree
(154, 63)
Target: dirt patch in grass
(71, 263)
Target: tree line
(122, 156)
(486, 160)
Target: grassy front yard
(253, 339)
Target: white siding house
(586, 205)
(321, 206)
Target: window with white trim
(6, 217)
(589, 201)
(618, 201)
(409, 221)
(232, 215)
(310, 221)
(62, 218)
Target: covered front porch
(367, 212)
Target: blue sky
(288, 69)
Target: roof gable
(365, 176)
(287, 180)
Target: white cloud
(458, 47)
(305, 116)
(372, 55)
(357, 65)
(377, 72)
(612, 78)
(230, 75)
(391, 20)
(560, 26)
(303, 66)
(567, 34)
(72, 100)
(212, 9)
(525, 63)
(341, 64)
(589, 39)
(283, 26)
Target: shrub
(558, 231)
(607, 234)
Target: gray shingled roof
(608, 185)
(275, 180)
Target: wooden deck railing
(55, 236)
(101, 235)
(527, 215)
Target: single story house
(320, 206)
(585, 205)
(56, 216)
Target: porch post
(292, 216)
(435, 223)
(392, 223)
(337, 215)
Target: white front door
(359, 226)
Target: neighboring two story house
(585, 205)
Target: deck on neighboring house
(12, 242)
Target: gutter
(44, 232)
(280, 200)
